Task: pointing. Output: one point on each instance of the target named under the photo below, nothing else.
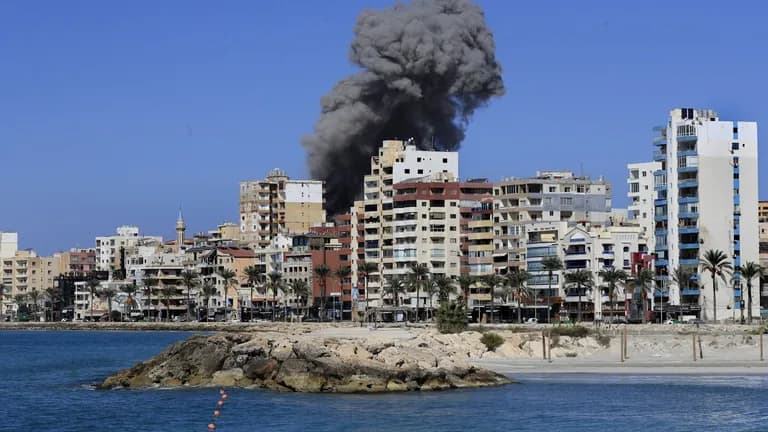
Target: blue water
(46, 377)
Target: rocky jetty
(308, 363)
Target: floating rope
(217, 412)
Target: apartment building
(550, 196)
(77, 261)
(25, 272)
(715, 210)
(279, 205)
(641, 194)
(111, 250)
(400, 232)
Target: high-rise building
(26, 274)
(411, 214)
(279, 205)
(706, 200)
(111, 250)
(550, 196)
(642, 194)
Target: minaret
(180, 228)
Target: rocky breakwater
(307, 363)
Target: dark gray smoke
(426, 67)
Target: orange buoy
(221, 391)
(217, 413)
(211, 426)
(220, 403)
(224, 396)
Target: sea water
(47, 377)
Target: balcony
(661, 232)
(689, 183)
(688, 169)
(689, 261)
(659, 155)
(661, 263)
(688, 199)
(689, 245)
(688, 229)
(684, 153)
(660, 141)
(660, 246)
(690, 292)
(687, 138)
(659, 218)
(688, 215)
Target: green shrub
(492, 341)
(451, 317)
(574, 331)
(571, 354)
(603, 340)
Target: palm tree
(299, 289)
(492, 281)
(208, 291)
(342, 273)
(275, 283)
(93, 285)
(749, 271)
(167, 292)
(682, 276)
(465, 283)
(395, 287)
(366, 269)
(516, 279)
(150, 283)
(322, 271)
(613, 277)
(53, 297)
(2, 300)
(34, 297)
(254, 276)
(644, 279)
(419, 273)
(582, 279)
(190, 279)
(229, 277)
(430, 289)
(445, 286)
(716, 263)
(20, 300)
(550, 264)
(109, 294)
(130, 301)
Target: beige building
(279, 205)
(25, 272)
(410, 215)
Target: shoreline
(513, 367)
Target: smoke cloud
(426, 67)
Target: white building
(706, 199)
(108, 254)
(641, 194)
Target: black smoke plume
(426, 67)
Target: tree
(420, 273)
(190, 279)
(682, 276)
(492, 281)
(613, 277)
(229, 277)
(130, 301)
(93, 285)
(108, 294)
(21, 304)
(2, 302)
(299, 289)
(253, 275)
(550, 265)
(208, 291)
(716, 263)
(52, 294)
(644, 279)
(582, 279)
(366, 270)
(322, 271)
(516, 279)
(748, 271)
(34, 297)
(394, 287)
(443, 287)
(150, 283)
(167, 292)
(465, 283)
(275, 283)
(342, 273)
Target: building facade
(641, 194)
(706, 200)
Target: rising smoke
(426, 67)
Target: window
(445, 160)
(634, 187)
(735, 146)
(407, 170)
(644, 173)
(566, 201)
(553, 189)
(421, 171)
(579, 188)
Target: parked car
(532, 321)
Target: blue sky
(116, 113)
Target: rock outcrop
(302, 363)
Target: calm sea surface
(46, 378)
